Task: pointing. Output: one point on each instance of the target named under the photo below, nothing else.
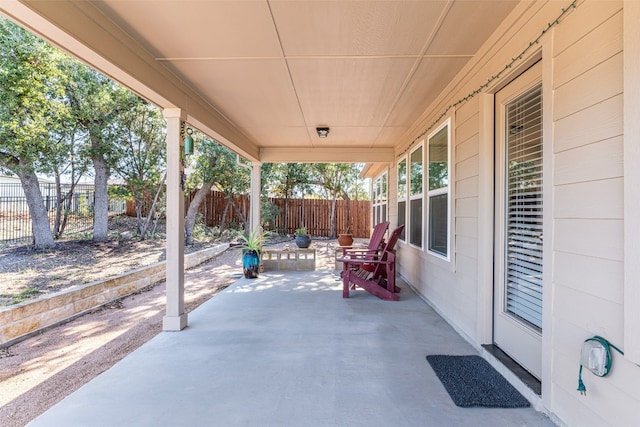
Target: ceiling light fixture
(323, 132)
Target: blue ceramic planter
(250, 264)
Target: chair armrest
(364, 261)
(346, 251)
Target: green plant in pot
(251, 248)
(302, 238)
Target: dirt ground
(40, 371)
(27, 273)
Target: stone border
(20, 321)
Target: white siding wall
(588, 214)
(587, 204)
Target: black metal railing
(15, 220)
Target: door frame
(486, 119)
(519, 340)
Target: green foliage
(253, 241)
(215, 163)
(268, 213)
(99, 106)
(32, 103)
(338, 180)
(416, 172)
(287, 180)
(139, 155)
(119, 192)
(302, 231)
(25, 295)
(402, 180)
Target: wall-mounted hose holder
(595, 355)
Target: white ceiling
(277, 69)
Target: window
(438, 192)
(379, 200)
(415, 197)
(402, 195)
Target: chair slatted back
(388, 247)
(377, 235)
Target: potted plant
(345, 239)
(251, 248)
(302, 238)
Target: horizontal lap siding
(585, 77)
(454, 290)
(588, 214)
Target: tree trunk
(224, 216)
(286, 216)
(42, 237)
(63, 205)
(238, 212)
(101, 202)
(152, 209)
(332, 230)
(192, 212)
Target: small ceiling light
(323, 132)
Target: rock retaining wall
(22, 320)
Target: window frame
(380, 198)
(403, 199)
(440, 191)
(417, 196)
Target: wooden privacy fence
(213, 206)
(315, 214)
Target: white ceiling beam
(326, 155)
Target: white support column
(255, 195)
(175, 318)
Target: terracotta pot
(345, 239)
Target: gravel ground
(40, 371)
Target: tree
(214, 165)
(31, 108)
(140, 154)
(336, 179)
(288, 180)
(65, 160)
(97, 102)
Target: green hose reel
(596, 357)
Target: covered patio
(398, 85)
(287, 350)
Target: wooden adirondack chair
(380, 282)
(373, 249)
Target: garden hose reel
(595, 355)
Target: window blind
(524, 264)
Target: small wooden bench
(288, 259)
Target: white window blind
(523, 289)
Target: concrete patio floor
(287, 350)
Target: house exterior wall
(582, 62)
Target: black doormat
(472, 381)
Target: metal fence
(15, 221)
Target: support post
(176, 317)
(255, 195)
